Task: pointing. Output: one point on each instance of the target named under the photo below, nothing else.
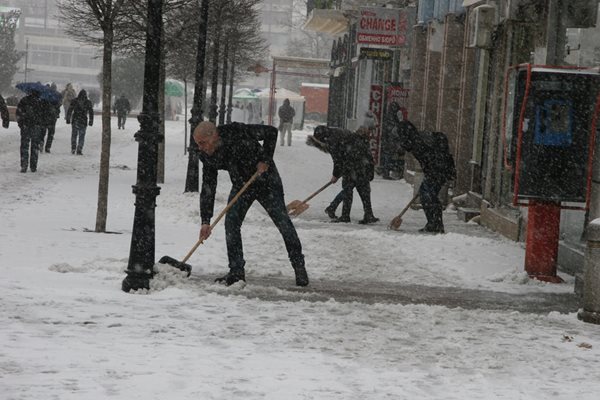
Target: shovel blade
(299, 209)
(176, 264)
(395, 223)
(293, 204)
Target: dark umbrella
(46, 92)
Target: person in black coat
(433, 154)
(51, 115)
(353, 162)
(4, 113)
(79, 115)
(121, 108)
(286, 115)
(236, 148)
(30, 118)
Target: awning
(332, 22)
(467, 3)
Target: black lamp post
(141, 253)
(193, 170)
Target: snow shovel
(181, 265)
(297, 207)
(397, 220)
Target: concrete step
(466, 214)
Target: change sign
(383, 26)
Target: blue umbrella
(46, 92)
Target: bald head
(206, 137)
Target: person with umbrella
(52, 104)
(79, 115)
(30, 112)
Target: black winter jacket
(31, 111)
(122, 106)
(430, 149)
(238, 153)
(350, 152)
(81, 111)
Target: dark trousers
(363, 187)
(48, 136)
(77, 136)
(428, 192)
(268, 191)
(121, 120)
(30, 146)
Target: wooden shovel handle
(325, 186)
(408, 206)
(222, 214)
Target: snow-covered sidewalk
(68, 332)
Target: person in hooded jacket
(4, 113)
(286, 118)
(79, 115)
(432, 152)
(353, 162)
(236, 148)
(30, 118)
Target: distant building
(51, 55)
(276, 24)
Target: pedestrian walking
(30, 118)
(236, 148)
(353, 162)
(286, 119)
(432, 151)
(79, 115)
(68, 95)
(121, 109)
(50, 116)
(4, 113)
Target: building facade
(50, 55)
(455, 70)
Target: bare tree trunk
(102, 211)
(223, 110)
(231, 74)
(160, 167)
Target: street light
(140, 268)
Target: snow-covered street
(67, 331)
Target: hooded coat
(350, 152)
(430, 149)
(81, 111)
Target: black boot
(330, 211)
(343, 218)
(301, 276)
(368, 219)
(232, 277)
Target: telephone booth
(550, 130)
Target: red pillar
(541, 250)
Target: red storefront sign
(398, 94)
(383, 26)
(376, 106)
